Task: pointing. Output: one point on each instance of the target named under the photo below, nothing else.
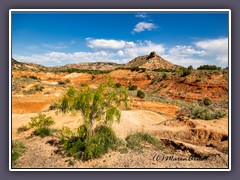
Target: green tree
(95, 105)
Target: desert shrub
(38, 87)
(23, 128)
(54, 106)
(143, 70)
(190, 67)
(135, 69)
(118, 85)
(61, 83)
(138, 141)
(207, 102)
(34, 77)
(185, 72)
(42, 124)
(209, 67)
(199, 79)
(81, 146)
(148, 76)
(132, 87)
(67, 81)
(140, 94)
(18, 149)
(164, 76)
(201, 112)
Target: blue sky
(59, 38)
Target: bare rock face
(152, 55)
(151, 62)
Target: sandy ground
(181, 138)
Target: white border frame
(119, 10)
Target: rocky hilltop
(151, 61)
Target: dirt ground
(182, 139)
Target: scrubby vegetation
(209, 67)
(83, 145)
(41, 124)
(99, 108)
(23, 128)
(139, 140)
(132, 87)
(140, 94)
(18, 149)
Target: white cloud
(185, 51)
(215, 48)
(214, 51)
(141, 15)
(143, 26)
(107, 43)
(143, 48)
(59, 45)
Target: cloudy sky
(59, 38)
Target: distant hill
(151, 61)
(16, 65)
(94, 66)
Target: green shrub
(164, 76)
(135, 69)
(186, 72)
(205, 113)
(207, 102)
(132, 87)
(61, 83)
(209, 67)
(140, 94)
(42, 124)
(138, 141)
(54, 106)
(23, 128)
(81, 146)
(38, 87)
(67, 81)
(118, 85)
(18, 149)
(148, 76)
(34, 77)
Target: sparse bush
(34, 77)
(118, 85)
(201, 112)
(23, 128)
(138, 141)
(54, 106)
(67, 81)
(18, 149)
(199, 79)
(148, 76)
(186, 72)
(61, 83)
(97, 106)
(140, 94)
(42, 124)
(38, 87)
(81, 146)
(209, 67)
(190, 67)
(132, 87)
(164, 76)
(207, 102)
(135, 69)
